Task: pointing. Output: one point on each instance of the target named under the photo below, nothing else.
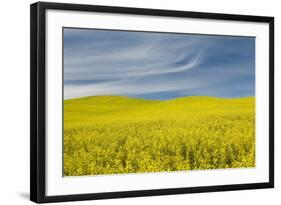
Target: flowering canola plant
(117, 134)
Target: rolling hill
(118, 134)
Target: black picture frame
(38, 103)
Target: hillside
(117, 134)
(93, 109)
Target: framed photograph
(129, 102)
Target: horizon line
(125, 96)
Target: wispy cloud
(98, 62)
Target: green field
(116, 134)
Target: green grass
(116, 134)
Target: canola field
(116, 134)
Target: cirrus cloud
(145, 64)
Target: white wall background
(14, 100)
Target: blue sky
(157, 65)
